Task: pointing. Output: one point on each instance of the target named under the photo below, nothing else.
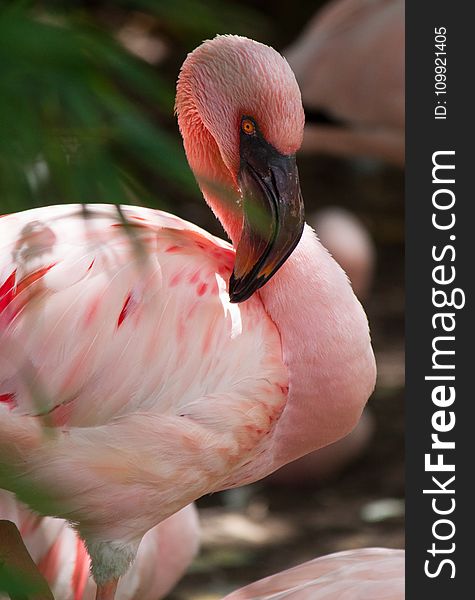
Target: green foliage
(16, 584)
(68, 130)
(81, 119)
(194, 20)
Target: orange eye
(248, 126)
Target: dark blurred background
(86, 115)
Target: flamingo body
(84, 302)
(364, 574)
(349, 62)
(143, 362)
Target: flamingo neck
(326, 348)
(219, 187)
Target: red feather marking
(32, 277)
(128, 224)
(30, 524)
(49, 563)
(175, 280)
(195, 277)
(91, 310)
(7, 291)
(123, 312)
(9, 400)
(224, 271)
(81, 570)
(201, 289)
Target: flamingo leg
(107, 590)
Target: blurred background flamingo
(351, 245)
(364, 574)
(349, 62)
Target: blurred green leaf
(14, 583)
(69, 128)
(81, 119)
(204, 18)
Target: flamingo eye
(248, 126)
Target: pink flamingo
(363, 574)
(139, 368)
(163, 555)
(349, 63)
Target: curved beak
(273, 216)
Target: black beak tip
(234, 294)
(241, 289)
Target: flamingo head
(241, 117)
